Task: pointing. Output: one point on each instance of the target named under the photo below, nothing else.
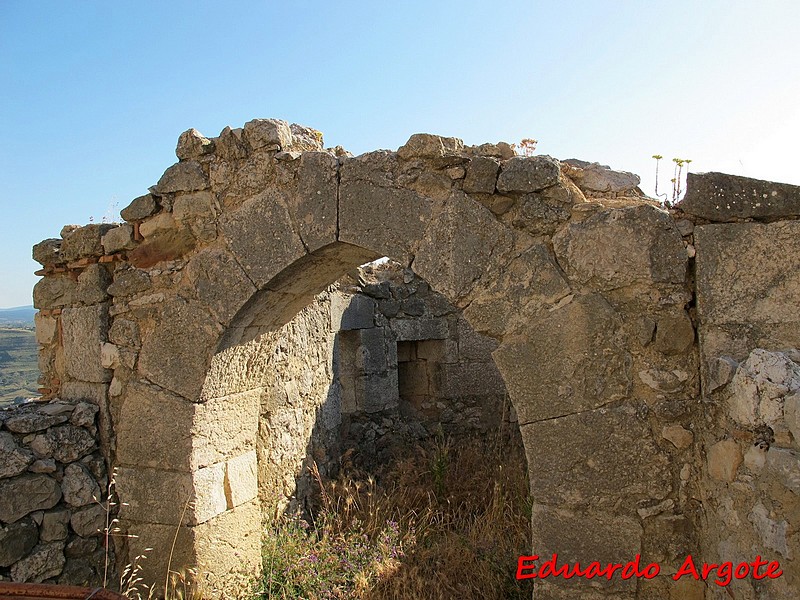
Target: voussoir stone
(722, 198)
(13, 459)
(25, 494)
(525, 174)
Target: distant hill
(21, 315)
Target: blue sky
(95, 94)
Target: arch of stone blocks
(582, 280)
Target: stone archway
(581, 280)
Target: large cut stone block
(571, 359)
(460, 246)
(261, 235)
(585, 537)
(85, 329)
(596, 458)
(225, 427)
(374, 212)
(721, 197)
(351, 312)
(618, 247)
(219, 282)
(154, 495)
(314, 207)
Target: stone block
(261, 235)
(22, 495)
(92, 285)
(150, 545)
(140, 208)
(176, 350)
(186, 176)
(581, 536)
(241, 479)
(426, 328)
(314, 206)
(524, 174)
(268, 134)
(167, 492)
(17, 540)
(84, 330)
(78, 486)
(48, 252)
(54, 291)
(45, 561)
(724, 459)
(603, 458)
(468, 379)
(145, 438)
(375, 393)
(723, 198)
(481, 176)
(377, 214)
(622, 246)
(473, 345)
(351, 312)
(13, 459)
(371, 353)
(84, 242)
(570, 360)
(595, 177)
(429, 146)
(674, 334)
(224, 427)
(219, 282)
(193, 206)
(54, 525)
(463, 243)
(208, 495)
(46, 329)
(192, 144)
(118, 239)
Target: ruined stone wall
(625, 337)
(53, 488)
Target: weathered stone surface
(680, 437)
(720, 372)
(46, 328)
(419, 329)
(475, 242)
(619, 247)
(785, 466)
(89, 521)
(586, 537)
(54, 525)
(187, 176)
(162, 223)
(724, 459)
(78, 486)
(428, 146)
(481, 175)
(351, 312)
(150, 507)
(84, 242)
(262, 228)
(31, 421)
(600, 178)
(723, 198)
(83, 415)
(46, 561)
(377, 214)
(84, 329)
(48, 252)
(129, 281)
(528, 174)
(140, 208)
(54, 292)
(219, 282)
(759, 387)
(191, 207)
(117, 239)
(26, 493)
(80, 546)
(674, 334)
(269, 134)
(16, 540)
(13, 459)
(192, 144)
(314, 208)
(569, 360)
(92, 284)
(176, 351)
(596, 458)
(69, 443)
(45, 465)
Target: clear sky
(95, 94)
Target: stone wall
(53, 489)
(624, 335)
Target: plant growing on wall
(526, 147)
(678, 174)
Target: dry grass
(447, 521)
